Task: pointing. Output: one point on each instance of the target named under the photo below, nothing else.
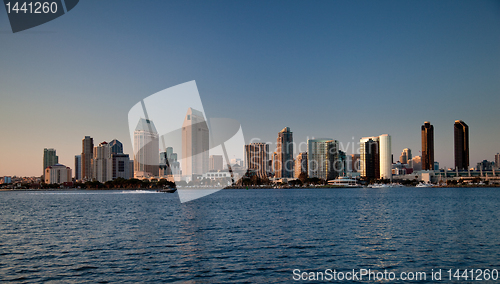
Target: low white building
(57, 174)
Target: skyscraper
(405, 156)
(49, 158)
(215, 163)
(102, 163)
(375, 157)
(301, 164)
(461, 131)
(146, 149)
(284, 150)
(322, 158)
(78, 167)
(116, 147)
(195, 144)
(257, 158)
(497, 160)
(427, 146)
(87, 155)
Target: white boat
(423, 184)
(378, 185)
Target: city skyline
(347, 69)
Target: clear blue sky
(337, 69)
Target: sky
(326, 69)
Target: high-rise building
(57, 174)
(195, 144)
(355, 162)
(49, 158)
(461, 131)
(284, 151)
(301, 164)
(215, 163)
(416, 163)
(116, 147)
(497, 160)
(323, 158)
(102, 163)
(121, 164)
(375, 157)
(78, 167)
(87, 155)
(146, 149)
(257, 158)
(405, 156)
(427, 146)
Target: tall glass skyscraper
(323, 158)
(461, 131)
(195, 144)
(146, 149)
(87, 155)
(427, 146)
(49, 158)
(284, 154)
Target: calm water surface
(237, 236)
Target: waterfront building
(323, 159)
(436, 166)
(497, 160)
(416, 163)
(121, 164)
(461, 131)
(102, 163)
(427, 146)
(405, 156)
(49, 158)
(195, 144)
(87, 155)
(116, 147)
(301, 164)
(78, 167)
(57, 174)
(284, 154)
(485, 166)
(146, 149)
(215, 163)
(355, 159)
(376, 157)
(257, 158)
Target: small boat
(422, 184)
(168, 189)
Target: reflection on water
(256, 236)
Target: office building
(146, 149)
(87, 156)
(57, 174)
(323, 159)
(102, 163)
(427, 146)
(461, 131)
(436, 166)
(416, 163)
(405, 156)
(116, 147)
(49, 158)
(375, 157)
(301, 164)
(485, 166)
(120, 165)
(78, 167)
(283, 167)
(195, 144)
(497, 160)
(257, 158)
(355, 161)
(215, 163)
